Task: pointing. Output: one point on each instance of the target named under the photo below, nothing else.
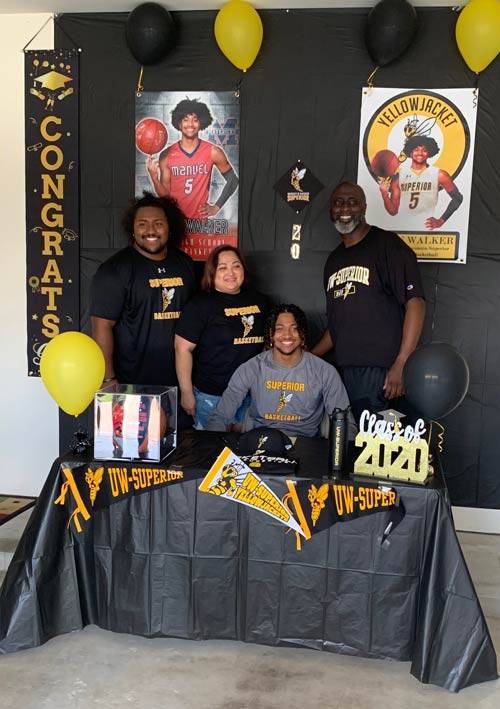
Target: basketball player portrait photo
(414, 189)
(184, 169)
(187, 148)
(415, 165)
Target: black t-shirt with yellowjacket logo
(227, 329)
(367, 286)
(145, 298)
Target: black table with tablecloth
(175, 562)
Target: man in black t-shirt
(138, 295)
(375, 305)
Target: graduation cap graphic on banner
(53, 80)
(298, 186)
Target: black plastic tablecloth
(174, 562)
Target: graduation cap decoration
(48, 85)
(298, 186)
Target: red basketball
(150, 136)
(385, 163)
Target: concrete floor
(102, 669)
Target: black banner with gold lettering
(96, 485)
(52, 197)
(318, 507)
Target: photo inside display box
(135, 422)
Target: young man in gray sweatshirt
(290, 389)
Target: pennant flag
(88, 487)
(318, 507)
(231, 478)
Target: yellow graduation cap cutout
(52, 81)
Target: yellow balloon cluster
(238, 32)
(72, 369)
(478, 33)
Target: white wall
(28, 415)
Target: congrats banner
(187, 147)
(415, 164)
(52, 198)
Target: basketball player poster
(416, 150)
(187, 147)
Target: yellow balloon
(72, 369)
(478, 33)
(238, 31)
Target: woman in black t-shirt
(219, 329)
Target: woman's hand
(188, 403)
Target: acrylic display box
(135, 422)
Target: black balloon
(150, 33)
(435, 379)
(390, 29)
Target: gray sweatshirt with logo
(293, 399)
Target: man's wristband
(108, 379)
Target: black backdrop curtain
(301, 100)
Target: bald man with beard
(375, 306)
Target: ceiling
(61, 6)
